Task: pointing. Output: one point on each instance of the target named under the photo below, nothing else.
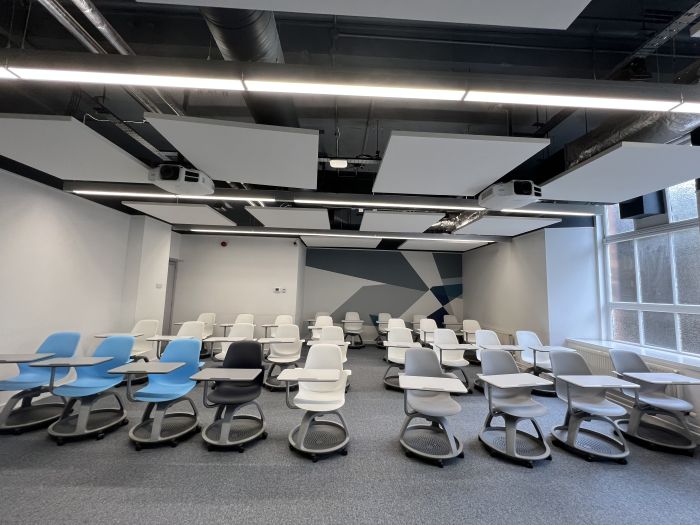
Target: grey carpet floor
(107, 481)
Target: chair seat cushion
(319, 401)
(455, 363)
(285, 359)
(156, 393)
(599, 407)
(230, 394)
(521, 406)
(665, 402)
(24, 382)
(436, 404)
(87, 386)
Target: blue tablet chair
(32, 382)
(165, 390)
(92, 384)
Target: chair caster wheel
(548, 458)
(59, 442)
(461, 455)
(263, 435)
(173, 444)
(622, 461)
(408, 454)
(99, 436)
(125, 422)
(344, 452)
(240, 450)
(210, 447)
(314, 458)
(440, 463)
(347, 388)
(291, 447)
(589, 459)
(137, 447)
(529, 464)
(16, 431)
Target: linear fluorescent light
(570, 101)
(551, 212)
(352, 90)
(4, 73)
(100, 193)
(346, 236)
(338, 164)
(363, 204)
(687, 107)
(127, 79)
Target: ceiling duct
(245, 35)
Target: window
(653, 276)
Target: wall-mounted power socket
(279, 290)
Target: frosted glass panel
(616, 225)
(623, 286)
(655, 269)
(690, 333)
(659, 329)
(686, 245)
(682, 202)
(625, 326)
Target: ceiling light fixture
(4, 73)
(99, 193)
(127, 79)
(534, 99)
(338, 164)
(687, 107)
(343, 235)
(352, 90)
(367, 204)
(551, 212)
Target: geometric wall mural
(371, 281)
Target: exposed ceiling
(117, 133)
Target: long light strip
(4, 73)
(99, 193)
(351, 90)
(533, 99)
(367, 204)
(346, 236)
(687, 107)
(127, 79)
(551, 212)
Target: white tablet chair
(142, 348)
(416, 322)
(527, 340)
(315, 436)
(435, 441)
(209, 320)
(427, 330)
(513, 404)
(485, 338)
(396, 355)
(191, 330)
(382, 327)
(583, 405)
(451, 360)
(242, 332)
(469, 327)
(352, 326)
(395, 322)
(279, 321)
(321, 321)
(245, 319)
(333, 335)
(652, 400)
(451, 322)
(282, 355)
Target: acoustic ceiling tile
(433, 246)
(195, 214)
(300, 218)
(389, 221)
(504, 225)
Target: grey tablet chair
(435, 441)
(451, 360)
(382, 328)
(652, 400)
(396, 355)
(282, 355)
(513, 405)
(230, 428)
(583, 405)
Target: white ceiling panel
(545, 14)
(503, 225)
(198, 214)
(625, 171)
(432, 246)
(339, 242)
(66, 148)
(389, 221)
(448, 164)
(303, 218)
(241, 152)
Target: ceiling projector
(513, 194)
(180, 180)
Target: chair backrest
(245, 319)
(400, 335)
(194, 329)
(182, 351)
(527, 340)
(626, 361)
(208, 319)
(332, 334)
(325, 356)
(284, 319)
(485, 337)
(395, 322)
(447, 336)
(451, 322)
(355, 321)
(470, 326)
(118, 347)
(383, 321)
(324, 320)
(245, 354)
(496, 362)
(319, 314)
(242, 330)
(61, 344)
(572, 363)
(147, 327)
(422, 363)
(427, 329)
(416, 320)
(287, 349)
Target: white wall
(505, 285)
(238, 278)
(63, 261)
